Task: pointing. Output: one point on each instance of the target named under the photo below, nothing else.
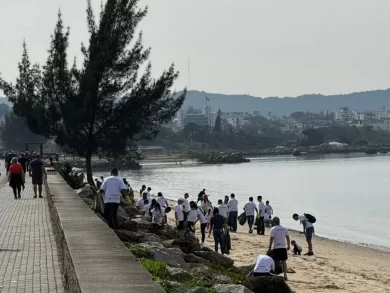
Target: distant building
(198, 119)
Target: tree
(14, 133)
(218, 122)
(104, 107)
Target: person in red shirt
(16, 177)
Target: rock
(86, 192)
(186, 246)
(180, 275)
(122, 215)
(180, 288)
(191, 258)
(143, 223)
(169, 232)
(205, 272)
(215, 257)
(168, 243)
(173, 257)
(88, 201)
(223, 288)
(150, 245)
(222, 279)
(149, 237)
(132, 211)
(128, 236)
(129, 225)
(268, 284)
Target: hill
(361, 101)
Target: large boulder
(188, 243)
(150, 245)
(206, 273)
(268, 284)
(128, 236)
(191, 258)
(180, 275)
(143, 223)
(129, 225)
(226, 288)
(149, 237)
(173, 257)
(86, 192)
(122, 215)
(216, 258)
(132, 211)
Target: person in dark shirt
(37, 171)
(23, 161)
(217, 223)
(201, 195)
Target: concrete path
(28, 252)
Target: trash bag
(242, 219)
(98, 203)
(227, 245)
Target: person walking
(23, 161)
(192, 216)
(186, 206)
(308, 230)
(233, 212)
(179, 215)
(203, 224)
(113, 188)
(163, 205)
(37, 171)
(250, 208)
(278, 238)
(216, 225)
(260, 219)
(16, 177)
(223, 210)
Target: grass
(237, 278)
(142, 252)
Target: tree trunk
(88, 165)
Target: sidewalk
(28, 252)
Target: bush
(72, 178)
(237, 278)
(157, 269)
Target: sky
(255, 47)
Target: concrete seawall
(93, 259)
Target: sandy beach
(336, 267)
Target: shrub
(72, 178)
(237, 278)
(157, 269)
(142, 252)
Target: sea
(348, 194)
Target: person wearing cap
(113, 188)
(37, 171)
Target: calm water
(350, 196)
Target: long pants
(203, 231)
(233, 220)
(260, 226)
(218, 239)
(17, 190)
(111, 214)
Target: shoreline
(337, 266)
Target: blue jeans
(218, 238)
(233, 220)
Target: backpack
(310, 218)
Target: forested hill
(361, 101)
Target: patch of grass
(157, 269)
(142, 252)
(168, 286)
(237, 278)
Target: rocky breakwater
(107, 165)
(221, 158)
(176, 259)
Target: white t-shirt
(149, 195)
(261, 209)
(112, 187)
(161, 200)
(179, 212)
(141, 203)
(279, 234)
(192, 215)
(203, 219)
(146, 209)
(269, 210)
(233, 205)
(299, 247)
(266, 216)
(250, 208)
(264, 264)
(208, 217)
(186, 205)
(157, 216)
(223, 210)
(302, 219)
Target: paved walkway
(28, 252)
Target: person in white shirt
(279, 237)
(223, 210)
(149, 193)
(157, 215)
(267, 221)
(142, 202)
(297, 250)
(163, 204)
(250, 208)
(260, 219)
(113, 188)
(269, 210)
(308, 230)
(233, 212)
(203, 223)
(179, 216)
(192, 216)
(263, 266)
(186, 206)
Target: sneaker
(40, 196)
(309, 253)
(35, 196)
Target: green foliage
(14, 133)
(104, 106)
(142, 252)
(218, 122)
(167, 285)
(159, 270)
(237, 278)
(72, 178)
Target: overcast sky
(257, 47)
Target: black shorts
(280, 254)
(37, 179)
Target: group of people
(218, 220)
(17, 165)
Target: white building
(382, 114)
(344, 114)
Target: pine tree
(218, 122)
(105, 106)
